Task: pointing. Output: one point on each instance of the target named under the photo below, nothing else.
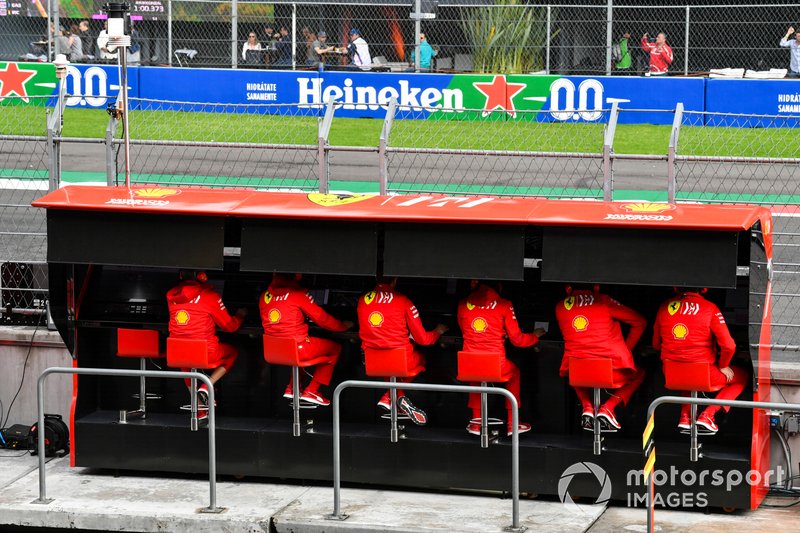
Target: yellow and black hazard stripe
(649, 446)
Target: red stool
(193, 354)
(485, 367)
(393, 363)
(596, 374)
(283, 351)
(143, 344)
(693, 378)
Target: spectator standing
(624, 61)
(87, 41)
(74, 43)
(284, 48)
(426, 53)
(794, 46)
(105, 51)
(358, 50)
(660, 54)
(251, 44)
(312, 42)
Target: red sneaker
(473, 428)
(313, 397)
(288, 393)
(587, 419)
(608, 415)
(523, 427)
(706, 424)
(416, 414)
(385, 402)
(685, 423)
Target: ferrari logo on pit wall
(646, 207)
(328, 200)
(375, 319)
(182, 317)
(673, 307)
(580, 323)
(680, 331)
(569, 302)
(479, 325)
(156, 192)
(274, 316)
(369, 297)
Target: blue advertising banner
(779, 98)
(93, 86)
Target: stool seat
(286, 351)
(187, 353)
(596, 373)
(688, 376)
(138, 343)
(389, 363)
(484, 367)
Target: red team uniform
(590, 324)
(660, 60)
(689, 328)
(385, 320)
(486, 320)
(284, 307)
(195, 311)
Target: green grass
(455, 134)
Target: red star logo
(12, 81)
(499, 95)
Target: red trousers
(225, 355)
(416, 359)
(511, 375)
(327, 354)
(631, 379)
(727, 391)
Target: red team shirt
(195, 310)
(486, 320)
(689, 328)
(284, 308)
(659, 61)
(590, 324)
(385, 319)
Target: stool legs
(598, 441)
(484, 418)
(694, 447)
(142, 388)
(193, 425)
(296, 401)
(393, 412)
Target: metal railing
(337, 461)
(212, 449)
(649, 446)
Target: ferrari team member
(689, 328)
(195, 310)
(590, 324)
(284, 307)
(486, 320)
(385, 319)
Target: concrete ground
(100, 500)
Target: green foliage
(507, 39)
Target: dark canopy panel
(135, 239)
(640, 257)
(311, 247)
(454, 251)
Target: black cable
(26, 452)
(24, 368)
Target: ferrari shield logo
(569, 302)
(369, 297)
(267, 297)
(329, 200)
(673, 307)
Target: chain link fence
(507, 36)
(223, 145)
(24, 173)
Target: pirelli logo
(649, 447)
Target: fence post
(169, 31)
(673, 148)
(322, 145)
(383, 168)
(54, 123)
(234, 32)
(608, 151)
(686, 45)
(547, 43)
(294, 33)
(609, 37)
(111, 160)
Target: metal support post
(393, 411)
(597, 446)
(194, 376)
(234, 33)
(323, 152)
(169, 31)
(686, 45)
(608, 152)
(694, 448)
(484, 418)
(673, 149)
(417, 31)
(547, 42)
(609, 36)
(111, 159)
(294, 33)
(386, 131)
(296, 401)
(193, 423)
(393, 386)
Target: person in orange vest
(486, 321)
(284, 307)
(689, 328)
(590, 324)
(386, 318)
(195, 311)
